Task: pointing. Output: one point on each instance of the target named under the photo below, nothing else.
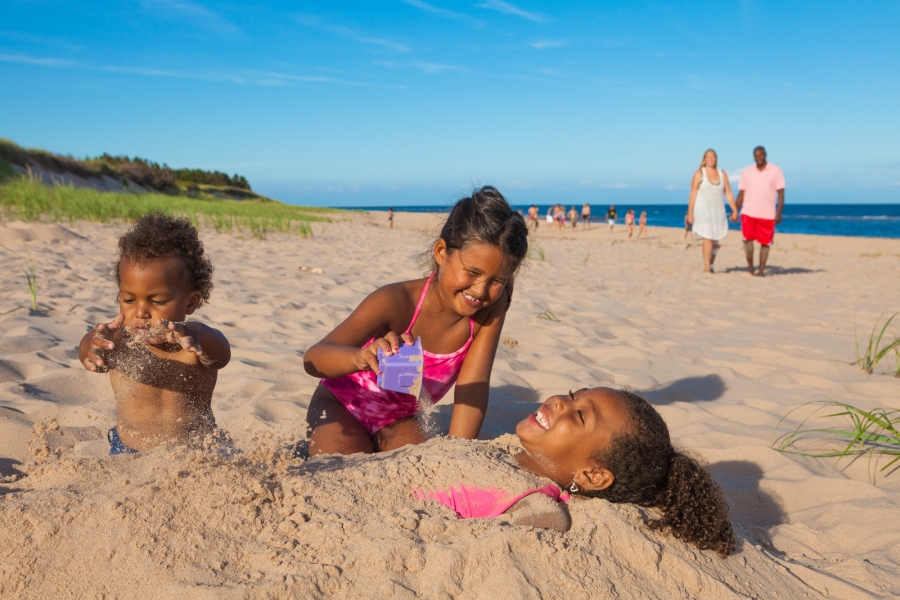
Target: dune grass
(853, 432)
(28, 200)
(30, 276)
(868, 358)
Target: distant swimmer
(611, 217)
(642, 230)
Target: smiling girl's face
(563, 435)
(470, 278)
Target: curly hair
(157, 236)
(485, 217)
(648, 471)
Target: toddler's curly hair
(157, 236)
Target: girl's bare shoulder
(398, 295)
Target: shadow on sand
(773, 270)
(9, 473)
(753, 511)
(689, 389)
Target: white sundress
(710, 220)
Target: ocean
(855, 220)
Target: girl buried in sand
(458, 311)
(162, 370)
(598, 443)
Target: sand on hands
(722, 357)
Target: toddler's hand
(102, 343)
(367, 358)
(734, 217)
(176, 333)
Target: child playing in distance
(458, 311)
(642, 229)
(162, 369)
(629, 222)
(599, 443)
(573, 216)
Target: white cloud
(315, 22)
(435, 9)
(425, 67)
(509, 9)
(260, 78)
(34, 60)
(195, 14)
(542, 44)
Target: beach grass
(30, 275)
(850, 432)
(867, 359)
(21, 198)
(548, 315)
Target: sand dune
(723, 358)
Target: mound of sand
(186, 524)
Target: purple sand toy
(402, 372)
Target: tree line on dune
(141, 171)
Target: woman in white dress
(706, 207)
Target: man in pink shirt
(759, 189)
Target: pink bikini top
(470, 502)
(439, 372)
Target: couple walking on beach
(760, 186)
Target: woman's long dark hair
(649, 472)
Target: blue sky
(414, 102)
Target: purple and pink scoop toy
(402, 372)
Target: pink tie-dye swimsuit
(471, 502)
(374, 407)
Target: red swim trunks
(760, 230)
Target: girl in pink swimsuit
(599, 443)
(458, 311)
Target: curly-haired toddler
(162, 368)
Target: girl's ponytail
(693, 507)
(648, 472)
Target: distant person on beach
(458, 311)
(559, 214)
(642, 230)
(550, 212)
(573, 216)
(595, 443)
(163, 369)
(391, 217)
(533, 216)
(586, 214)
(761, 186)
(611, 217)
(629, 222)
(706, 207)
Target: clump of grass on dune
(850, 432)
(33, 201)
(867, 359)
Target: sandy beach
(722, 357)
